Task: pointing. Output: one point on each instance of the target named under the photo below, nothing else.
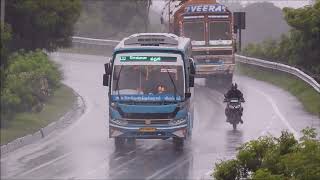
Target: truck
(150, 80)
(210, 26)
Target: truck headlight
(175, 122)
(119, 121)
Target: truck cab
(150, 80)
(209, 25)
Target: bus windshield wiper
(174, 85)
(117, 83)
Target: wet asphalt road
(83, 150)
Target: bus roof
(153, 41)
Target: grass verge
(29, 122)
(308, 96)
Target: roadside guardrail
(243, 59)
(102, 42)
(280, 67)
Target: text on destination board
(148, 58)
(205, 8)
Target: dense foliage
(5, 39)
(275, 158)
(106, 19)
(301, 47)
(45, 24)
(30, 79)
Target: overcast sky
(158, 4)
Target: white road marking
(268, 127)
(118, 158)
(44, 165)
(130, 152)
(168, 169)
(103, 164)
(279, 114)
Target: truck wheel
(178, 143)
(234, 125)
(118, 142)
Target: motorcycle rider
(234, 93)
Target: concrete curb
(77, 109)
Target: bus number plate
(147, 129)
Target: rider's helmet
(234, 86)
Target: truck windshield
(194, 31)
(219, 31)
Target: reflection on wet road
(84, 151)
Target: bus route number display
(205, 8)
(148, 58)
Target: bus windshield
(148, 75)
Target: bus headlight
(119, 121)
(176, 122)
(113, 104)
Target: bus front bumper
(180, 131)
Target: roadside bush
(275, 158)
(228, 170)
(30, 78)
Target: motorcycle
(234, 111)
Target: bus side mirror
(192, 66)
(187, 95)
(105, 79)
(192, 72)
(107, 68)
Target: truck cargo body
(210, 27)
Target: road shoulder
(59, 113)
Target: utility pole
(240, 39)
(2, 14)
(169, 15)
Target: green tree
(275, 158)
(301, 47)
(44, 24)
(30, 78)
(5, 39)
(107, 19)
(306, 24)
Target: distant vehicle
(210, 27)
(151, 80)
